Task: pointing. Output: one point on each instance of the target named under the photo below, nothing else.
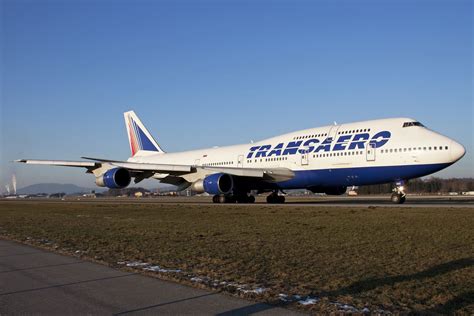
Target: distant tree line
(429, 185)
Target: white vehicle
(325, 159)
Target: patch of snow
(248, 289)
(258, 290)
(133, 263)
(162, 270)
(346, 308)
(308, 301)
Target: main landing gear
(241, 198)
(274, 198)
(398, 195)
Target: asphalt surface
(291, 201)
(303, 200)
(35, 281)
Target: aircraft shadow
(372, 283)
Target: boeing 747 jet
(325, 159)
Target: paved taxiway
(291, 201)
(35, 281)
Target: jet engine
(329, 190)
(116, 178)
(218, 183)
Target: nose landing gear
(398, 195)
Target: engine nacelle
(116, 178)
(329, 190)
(218, 183)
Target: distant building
(138, 194)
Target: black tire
(215, 199)
(271, 199)
(251, 199)
(396, 198)
(222, 199)
(275, 199)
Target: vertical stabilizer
(140, 140)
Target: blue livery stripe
(358, 176)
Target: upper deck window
(407, 124)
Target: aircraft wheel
(397, 198)
(251, 199)
(280, 199)
(222, 199)
(403, 199)
(215, 199)
(275, 198)
(271, 199)
(227, 199)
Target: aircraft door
(304, 156)
(240, 161)
(370, 151)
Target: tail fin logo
(139, 137)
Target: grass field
(395, 259)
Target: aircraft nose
(457, 150)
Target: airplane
(325, 159)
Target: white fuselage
(357, 153)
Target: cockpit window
(407, 124)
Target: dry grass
(398, 259)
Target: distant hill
(50, 188)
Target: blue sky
(205, 73)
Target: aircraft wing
(268, 174)
(64, 163)
(132, 166)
